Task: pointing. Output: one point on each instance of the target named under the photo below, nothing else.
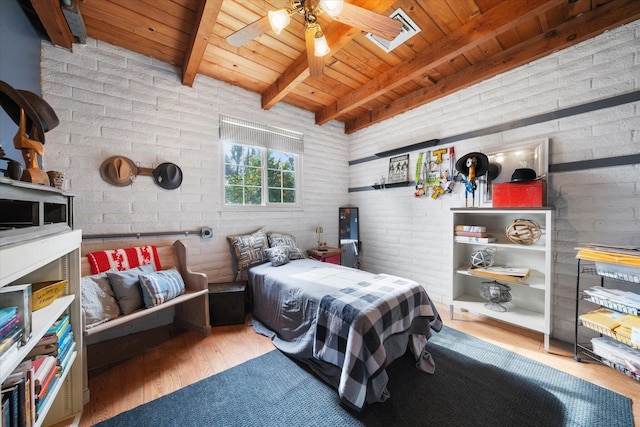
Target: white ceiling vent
(409, 29)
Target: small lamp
(279, 19)
(332, 7)
(321, 47)
(319, 232)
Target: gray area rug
(475, 384)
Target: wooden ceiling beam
(337, 34)
(50, 14)
(495, 21)
(205, 20)
(581, 28)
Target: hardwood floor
(180, 358)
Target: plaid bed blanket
(354, 322)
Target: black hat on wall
(168, 176)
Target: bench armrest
(193, 281)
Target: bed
(345, 324)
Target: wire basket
(496, 294)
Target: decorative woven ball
(524, 232)
(483, 257)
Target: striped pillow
(161, 286)
(123, 259)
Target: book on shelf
(66, 358)
(19, 379)
(44, 367)
(59, 327)
(9, 340)
(46, 396)
(25, 371)
(507, 274)
(46, 385)
(7, 313)
(64, 346)
(8, 328)
(12, 393)
(7, 357)
(469, 239)
(471, 228)
(19, 296)
(472, 233)
(43, 350)
(6, 411)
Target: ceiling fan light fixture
(279, 19)
(321, 47)
(332, 7)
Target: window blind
(247, 132)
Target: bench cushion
(161, 286)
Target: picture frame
(398, 169)
(530, 154)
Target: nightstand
(227, 303)
(331, 255)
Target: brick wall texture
(114, 102)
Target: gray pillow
(278, 255)
(98, 301)
(126, 287)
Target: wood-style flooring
(179, 358)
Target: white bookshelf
(48, 258)
(530, 306)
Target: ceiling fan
(316, 42)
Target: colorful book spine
(6, 313)
(64, 346)
(472, 228)
(19, 296)
(467, 239)
(7, 357)
(15, 337)
(472, 233)
(7, 328)
(44, 366)
(59, 326)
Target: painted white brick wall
(410, 237)
(111, 101)
(114, 102)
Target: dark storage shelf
(393, 185)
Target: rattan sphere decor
(524, 232)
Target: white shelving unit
(37, 244)
(530, 306)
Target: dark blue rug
(475, 384)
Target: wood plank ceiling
(461, 42)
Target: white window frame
(243, 132)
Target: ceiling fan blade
(316, 63)
(250, 32)
(369, 21)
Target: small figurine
(473, 165)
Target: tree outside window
(246, 180)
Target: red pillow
(123, 259)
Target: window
(261, 164)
